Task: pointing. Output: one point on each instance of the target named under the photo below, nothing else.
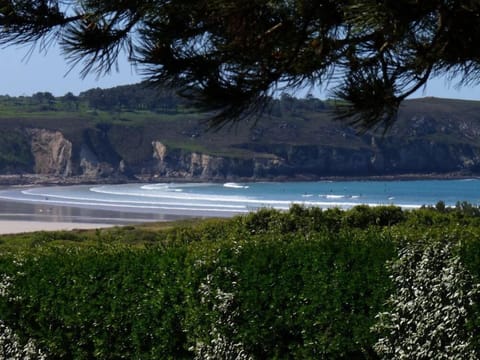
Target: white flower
(429, 306)
(11, 349)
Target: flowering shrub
(11, 349)
(429, 308)
(10, 346)
(220, 346)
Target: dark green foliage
(102, 304)
(363, 216)
(301, 284)
(298, 219)
(138, 97)
(462, 214)
(15, 152)
(231, 55)
(322, 295)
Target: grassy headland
(295, 138)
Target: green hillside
(430, 136)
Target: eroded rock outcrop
(179, 163)
(184, 164)
(159, 151)
(52, 152)
(92, 168)
(55, 155)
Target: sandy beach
(17, 217)
(19, 226)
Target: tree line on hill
(142, 97)
(231, 55)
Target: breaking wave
(227, 199)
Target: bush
(99, 304)
(363, 216)
(429, 308)
(301, 284)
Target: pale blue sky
(23, 75)
(40, 72)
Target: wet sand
(18, 217)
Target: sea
(164, 201)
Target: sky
(21, 74)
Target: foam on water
(235, 185)
(45, 196)
(331, 196)
(230, 198)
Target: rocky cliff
(426, 140)
(52, 153)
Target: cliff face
(178, 163)
(54, 155)
(193, 165)
(51, 151)
(426, 139)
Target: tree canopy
(231, 55)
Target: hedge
(300, 284)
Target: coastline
(25, 180)
(18, 217)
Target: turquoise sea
(228, 199)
